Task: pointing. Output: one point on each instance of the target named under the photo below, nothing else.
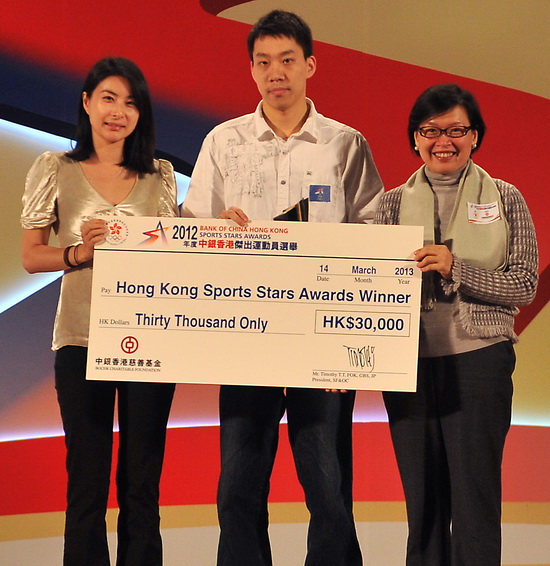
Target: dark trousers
(449, 439)
(87, 411)
(319, 426)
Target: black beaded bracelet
(66, 257)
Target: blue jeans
(449, 439)
(87, 411)
(319, 426)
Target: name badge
(319, 193)
(483, 213)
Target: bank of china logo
(118, 232)
(154, 235)
(129, 344)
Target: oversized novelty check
(274, 303)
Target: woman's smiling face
(112, 111)
(443, 154)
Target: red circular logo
(129, 344)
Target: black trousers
(319, 427)
(87, 411)
(449, 439)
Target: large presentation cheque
(275, 303)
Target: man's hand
(235, 214)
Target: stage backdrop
(374, 58)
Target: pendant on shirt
(319, 193)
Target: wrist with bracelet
(66, 258)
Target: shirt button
(283, 182)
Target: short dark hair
(280, 23)
(437, 100)
(139, 146)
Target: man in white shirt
(255, 167)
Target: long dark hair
(139, 146)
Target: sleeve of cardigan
(516, 285)
(388, 207)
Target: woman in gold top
(110, 172)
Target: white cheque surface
(275, 303)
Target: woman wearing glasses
(479, 261)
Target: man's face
(280, 71)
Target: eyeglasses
(451, 132)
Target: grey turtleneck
(441, 333)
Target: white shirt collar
(309, 130)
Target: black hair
(439, 99)
(139, 146)
(280, 23)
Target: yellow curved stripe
(503, 43)
(44, 525)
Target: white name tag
(483, 213)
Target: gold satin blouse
(57, 194)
